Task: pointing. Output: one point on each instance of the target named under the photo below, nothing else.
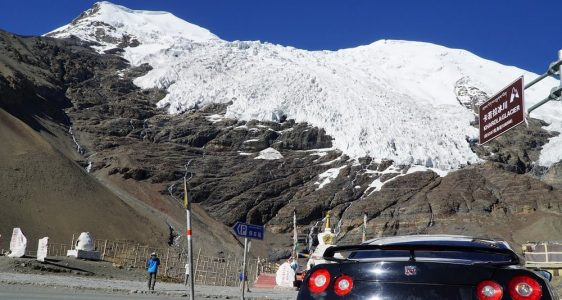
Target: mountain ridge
(355, 94)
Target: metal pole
(187, 205)
(190, 253)
(552, 69)
(555, 93)
(530, 84)
(243, 277)
(537, 105)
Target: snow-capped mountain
(399, 100)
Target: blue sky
(524, 33)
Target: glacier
(389, 100)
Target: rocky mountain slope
(43, 190)
(249, 159)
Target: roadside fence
(208, 270)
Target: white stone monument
(285, 275)
(84, 248)
(18, 244)
(42, 249)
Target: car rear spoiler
(412, 248)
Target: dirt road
(29, 292)
(34, 286)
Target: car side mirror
(546, 274)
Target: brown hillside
(47, 194)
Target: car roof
(439, 239)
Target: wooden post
(114, 251)
(141, 258)
(226, 270)
(203, 269)
(104, 249)
(145, 256)
(196, 263)
(135, 256)
(236, 270)
(166, 263)
(258, 267)
(116, 254)
(72, 243)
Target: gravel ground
(102, 277)
(101, 285)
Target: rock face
(518, 149)
(484, 200)
(553, 176)
(127, 136)
(130, 145)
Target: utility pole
(187, 206)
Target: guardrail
(544, 255)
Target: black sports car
(425, 267)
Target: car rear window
(430, 255)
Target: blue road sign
(248, 230)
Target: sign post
(247, 231)
(502, 111)
(244, 276)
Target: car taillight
(524, 288)
(319, 281)
(343, 285)
(489, 290)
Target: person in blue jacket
(152, 267)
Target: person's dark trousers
(151, 281)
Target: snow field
(388, 100)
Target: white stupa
(84, 248)
(325, 240)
